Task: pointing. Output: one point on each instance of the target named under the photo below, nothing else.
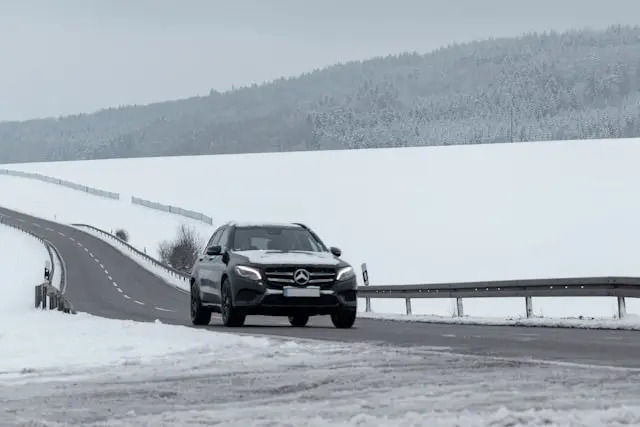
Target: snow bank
(22, 259)
(39, 343)
(631, 322)
(500, 211)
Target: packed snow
(262, 384)
(414, 215)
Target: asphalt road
(103, 282)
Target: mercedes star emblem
(301, 276)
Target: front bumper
(255, 297)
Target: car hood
(291, 258)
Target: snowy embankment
(462, 213)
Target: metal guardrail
(46, 292)
(620, 287)
(172, 209)
(62, 182)
(176, 273)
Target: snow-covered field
(502, 211)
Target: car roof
(263, 224)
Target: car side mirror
(335, 251)
(214, 250)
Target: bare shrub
(181, 252)
(122, 234)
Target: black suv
(271, 270)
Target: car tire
(231, 316)
(299, 321)
(344, 318)
(200, 315)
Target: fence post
(407, 302)
(529, 306)
(459, 307)
(365, 278)
(622, 308)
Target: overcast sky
(61, 57)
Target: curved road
(104, 282)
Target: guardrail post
(407, 302)
(365, 278)
(622, 308)
(38, 295)
(459, 307)
(43, 296)
(529, 306)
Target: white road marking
(72, 239)
(61, 233)
(109, 277)
(101, 266)
(35, 224)
(164, 309)
(50, 229)
(79, 244)
(115, 284)
(21, 220)
(138, 302)
(96, 259)
(87, 250)
(119, 290)
(126, 296)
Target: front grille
(283, 276)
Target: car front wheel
(344, 318)
(298, 321)
(200, 315)
(231, 316)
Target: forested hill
(580, 84)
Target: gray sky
(70, 56)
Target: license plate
(301, 292)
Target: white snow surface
(22, 259)
(414, 215)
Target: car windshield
(275, 238)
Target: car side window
(224, 239)
(214, 238)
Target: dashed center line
(115, 285)
(50, 229)
(61, 233)
(35, 224)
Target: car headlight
(345, 273)
(248, 272)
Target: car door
(218, 266)
(205, 268)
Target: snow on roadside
(36, 344)
(630, 322)
(22, 267)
